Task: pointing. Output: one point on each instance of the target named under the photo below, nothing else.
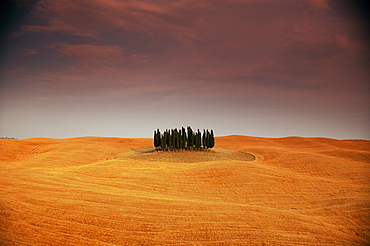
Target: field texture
(247, 191)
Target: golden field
(112, 191)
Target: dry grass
(186, 156)
(105, 191)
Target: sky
(266, 68)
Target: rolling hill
(247, 191)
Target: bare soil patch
(186, 156)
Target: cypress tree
(179, 139)
(165, 136)
(163, 143)
(198, 140)
(173, 140)
(190, 137)
(207, 139)
(168, 138)
(212, 140)
(183, 138)
(204, 139)
(195, 140)
(155, 139)
(158, 137)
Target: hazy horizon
(242, 67)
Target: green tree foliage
(198, 140)
(167, 138)
(163, 143)
(176, 139)
(183, 138)
(190, 138)
(204, 139)
(157, 138)
(211, 140)
(172, 140)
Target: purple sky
(269, 68)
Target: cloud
(320, 4)
(89, 18)
(89, 52)
(287, 43)
(29, 52)
(88, 58)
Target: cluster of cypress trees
(176, 139)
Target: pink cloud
(29, 52)
(206, 39)
(89, 18)
(320, 3)
(85, 57)
(89, 51)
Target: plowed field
(246, 191)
